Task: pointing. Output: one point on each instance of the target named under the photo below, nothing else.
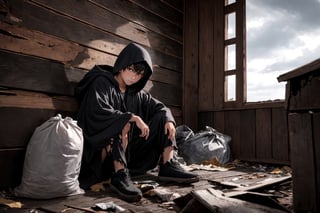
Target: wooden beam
(302, 162)
(206, 55)
(191, 63)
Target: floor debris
(241, 186)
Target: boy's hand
(142, 126)
(170, 130)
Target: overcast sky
(281, 35)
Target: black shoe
(122, 184)
(172, 171)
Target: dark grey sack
(195, 148)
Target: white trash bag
(52, 161)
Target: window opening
(227, 2)
(230, 55)
(230, 83)
(231, 22)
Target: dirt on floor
(237, 186)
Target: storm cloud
(281, 35)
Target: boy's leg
(118, 151)
(171, 170)
(121, 181)
(144, 155)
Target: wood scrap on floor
(252, 187)
(252, 183)
(215, 201)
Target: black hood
(131, 54)
(86, 82)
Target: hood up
(131, 54)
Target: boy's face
(130, 76)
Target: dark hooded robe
(105, 110)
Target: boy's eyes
(131, 69)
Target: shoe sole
(178, 180)
(126, 197)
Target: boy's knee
(158, 118)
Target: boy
(125, 128)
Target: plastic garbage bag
(195, 148)
(52, 161)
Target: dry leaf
(10, 203)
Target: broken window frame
(237, 72)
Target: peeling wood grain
(92, 35)
(26, 41)
(97, 14)
(37, 74)
(22, 40)
(31, 100)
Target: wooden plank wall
(259, 135)
(47, 46)
(259, 131)
(304, 137)
(305, 160)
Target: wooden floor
(252, 188)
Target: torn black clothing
(104, 111)
(143, 155)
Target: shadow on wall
(80, 34)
